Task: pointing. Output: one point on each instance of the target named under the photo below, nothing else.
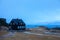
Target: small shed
(3, 22)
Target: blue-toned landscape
(29, 19)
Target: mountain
(54, 23)
(50, 24)
(46, 24)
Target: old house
(17, 24)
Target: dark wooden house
(17, 24)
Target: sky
(30, 11)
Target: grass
(22, 36)
(3, 33)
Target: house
(17, 24)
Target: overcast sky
(31, 11)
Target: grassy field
(22, 36)
(3, 33)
